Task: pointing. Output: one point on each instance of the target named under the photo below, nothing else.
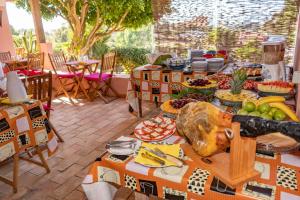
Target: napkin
(172, 150)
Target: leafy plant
(130, 58)
(186, 91)
(27, 41)
(99, 49)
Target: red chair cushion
(95, 77)
(68, 75)
(30, 72)
(46, 107)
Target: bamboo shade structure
(238, 26)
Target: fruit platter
(200, 84)
(236, 95)
(276, 88)
(274, 109)
(227, 98)
(184, 97)
(271, 108)
(155, 129)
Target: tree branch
(116, 26)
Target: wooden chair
(5, 56)
(101, 82)
(14, 181)
(40, 87)
(35, 65)
(63, 74)
(36, 61)
(16, 158)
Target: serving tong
(121, 144)
(159, 154)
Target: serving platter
(155, 129)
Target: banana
(270, 99)
(286, 110)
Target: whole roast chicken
(204, 125)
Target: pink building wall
(6, 40)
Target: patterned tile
(169, 193)
(197, 181)
(259, 190)
(286, 177)
(130, 182)
(23, 139)
(38, 123)
(7, 136)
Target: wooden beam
(297, 63)
(37, 18)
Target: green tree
(93, 20)
(134, 38)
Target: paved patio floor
(85, 127)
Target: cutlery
(171, 158)
(167, 157)
(153, 158)
(117, 142)
(126, 146)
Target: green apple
(242, 112)
(264, 108)
(249, 106)
(254, 114)
(279, 115)
(266, 116)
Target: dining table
(156, 85)
(279, 176)
(22, 126)
(16, 64)
(80, 68)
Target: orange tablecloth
(280, 176)
(23, 126)
(157, 85)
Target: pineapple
(238, 79)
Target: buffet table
(156, 85)
(22, 126)
(279, 177)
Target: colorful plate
(166, 107)
(212, 85)
(155, 129)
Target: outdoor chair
(5, 56)
(40, 87)
(16, 157)
(101, 81)
(35, 64)
(65, 77)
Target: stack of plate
(199, 66)
(214, 64)
(196, 55)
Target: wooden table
(88, 64)
(82, 67)
(16, 64)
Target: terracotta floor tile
(86, 128)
